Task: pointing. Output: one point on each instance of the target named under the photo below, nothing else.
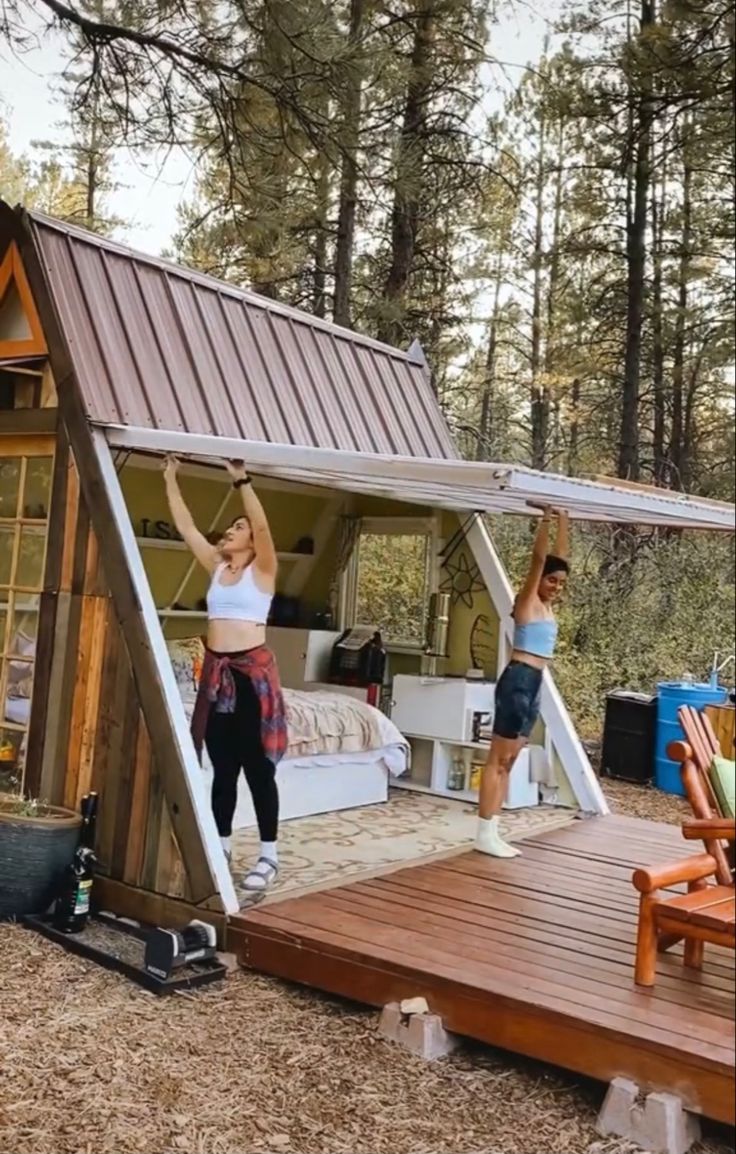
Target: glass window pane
(24, 628)
(37, 495)
(392, 585)
(9, 481)
(3, 621)
(19, 688)
(12, 750)
(7, 537)
(31, 556)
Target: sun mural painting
(463, 579)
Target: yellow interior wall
(292, 515)
(463, 618)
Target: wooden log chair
(695, 756)
(706, 913)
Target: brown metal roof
(159, 346)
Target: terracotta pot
(34, 851)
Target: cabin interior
(101, 623)
(340, 558)
(346, 560)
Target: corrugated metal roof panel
(162, 347)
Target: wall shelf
(182, 547)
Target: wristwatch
(241, 481)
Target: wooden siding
(87, 728)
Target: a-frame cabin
(109, 359)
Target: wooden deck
(533, 955)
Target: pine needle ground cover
(93, 1065)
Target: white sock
(489, 839)
(225, 843)
(263, 873)
(270, 850)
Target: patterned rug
(323, 852)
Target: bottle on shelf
(474, 776)
(456, 774)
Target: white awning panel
(462, 486)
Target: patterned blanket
(321, 722)
(324, 722)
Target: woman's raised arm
(205, 553)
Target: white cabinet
(439, 707)
(303, 655)
(435, 714)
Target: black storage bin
(629, 736)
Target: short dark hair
(555, 565)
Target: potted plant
(37, 842)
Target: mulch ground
(90, 1064)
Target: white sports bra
(243, 601)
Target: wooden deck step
(533, 955)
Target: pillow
(186, 656)
(723, 779)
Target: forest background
(560, 238)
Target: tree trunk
(342, 314)
(636, 254)
(540, 402)
(574, 446)
(658, 375)
(680, 450)
(319, 279)
(551, 393)
(405, 213)
(486, 431)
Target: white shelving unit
(181, 546)
(432, 760)
(435, 714)
(167, 543)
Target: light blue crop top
(243, 601)
(536, 637)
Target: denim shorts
(518, 695)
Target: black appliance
(358, 658)
(629, 736)
(284, 612)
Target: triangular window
(21, 334)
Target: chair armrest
(680, 751)
(689, 869)
(699, 829)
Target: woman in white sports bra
(239, 713)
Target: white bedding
(329, 729)
(312, 782)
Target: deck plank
(533, 955)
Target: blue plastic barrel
(671, 695)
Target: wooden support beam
(162, 707)
(154, 909)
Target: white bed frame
(308, 790)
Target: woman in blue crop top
(519, 688)
(239, 712)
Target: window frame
(420, 526)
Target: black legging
(233, 742)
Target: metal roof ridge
(214, 284)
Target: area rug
(331, 849)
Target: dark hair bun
(555, 565)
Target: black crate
(629, 736)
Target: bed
(342, 752)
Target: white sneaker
(489, 840)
